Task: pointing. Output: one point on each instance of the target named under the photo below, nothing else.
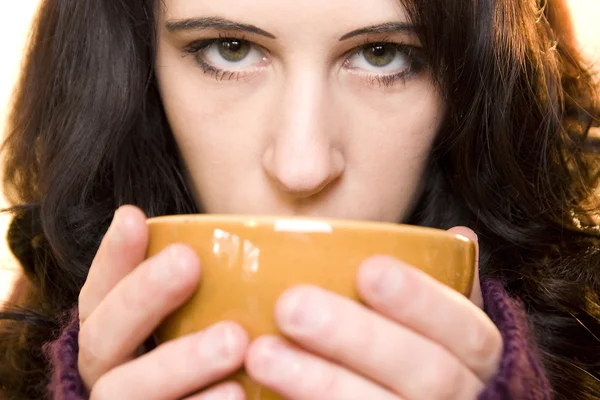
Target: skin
(299, 133)
(300, 124)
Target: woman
(441, 113)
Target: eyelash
(196, 47)
(416, 59)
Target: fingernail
(304, 312)
(277, 362)
(226, 392)
(174, 262)
(115, 230)
(218, 345)
(386, 280)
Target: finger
(475, 296)
(419, 302)
(297, 375)
(374, 346)
(122, 249)
(132, 311)
(177, 368)
(223, 391)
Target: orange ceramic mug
(248, 262)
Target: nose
(301, 158)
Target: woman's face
(317, 107)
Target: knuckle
(141, 287)
(103, 390)
(443, 378)
(326, 384)
(417, 300)
(496, 343)
(365, 337)
(412, 300)
(485, 348)
(144, 286)
(233, 391)
(82, 302)
(91, 357)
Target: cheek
(206, 115)
(392, 138)
(214, 125)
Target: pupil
(379, 50)
(233, 45)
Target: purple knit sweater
(521, 376)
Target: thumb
(476, 296)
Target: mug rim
(303, 224)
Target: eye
(384, 58)
(230, 54)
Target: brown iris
(233, 50)
(380, 54)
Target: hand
(123, 301)
(415, 339)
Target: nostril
(302, 180)
(303, 190)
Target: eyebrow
(192, 24)
(217, 23)
(388, 27)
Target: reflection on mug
(230, 249)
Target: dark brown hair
(513, 160)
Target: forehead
(274, 15)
